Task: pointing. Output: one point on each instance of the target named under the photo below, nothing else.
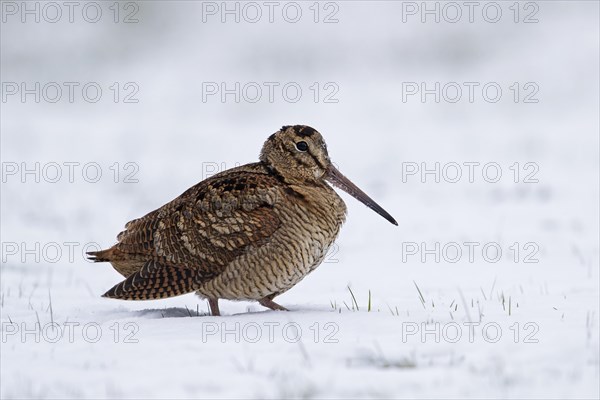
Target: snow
(480, 327)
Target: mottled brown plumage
(247, 233)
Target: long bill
(338, 180)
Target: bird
(248, 233)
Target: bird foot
(214, 307)
(267, 302)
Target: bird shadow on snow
(157, 313)
(184, 312)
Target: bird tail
(100, 256)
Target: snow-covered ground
(428, 309)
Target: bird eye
(302, 146)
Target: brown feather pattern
(248, 233)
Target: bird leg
(214, 307)
(269, 303)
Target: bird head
(299, 154)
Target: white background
(541, 318)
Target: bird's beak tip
(336, 178)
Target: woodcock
(247, 233)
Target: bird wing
(208, 226)
(154, 281)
